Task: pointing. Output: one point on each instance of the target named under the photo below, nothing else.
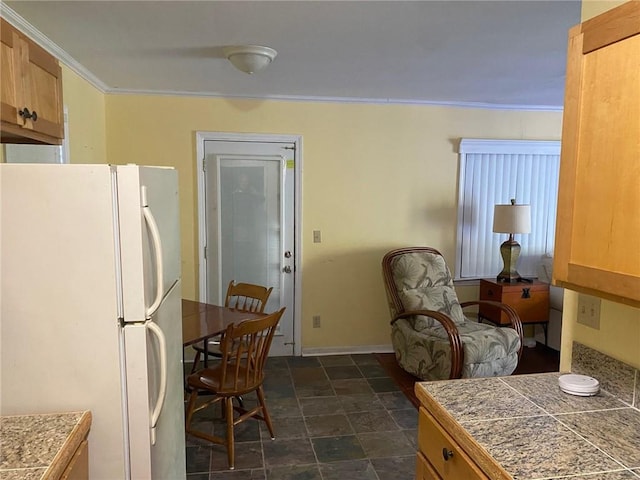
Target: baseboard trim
(323, 351)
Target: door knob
(287, 269)
(446, 454)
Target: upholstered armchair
(431, 336)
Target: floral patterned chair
(431, 337)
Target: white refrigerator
(90, 306)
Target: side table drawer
(532, 305)
(530, 301)
(433, 442)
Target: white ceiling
(507, 53)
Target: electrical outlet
(316, 321)
(317, 238)
(589, 311)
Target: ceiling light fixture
(250, 58)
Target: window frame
(473, 146)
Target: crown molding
(38, 37)
(346, 100)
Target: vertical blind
(493, 172)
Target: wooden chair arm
(457, 352)
(512, 315)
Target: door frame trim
(201, 137)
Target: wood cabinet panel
(424, 470)
(78, 468)
(31, 108)
(598, 224)
(443, 453)
(8, 76)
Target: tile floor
(336, 417)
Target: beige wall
(619, 333)
(86, 116)
(591, 8)
(375, 177)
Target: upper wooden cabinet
(31, 91)
(598, 225)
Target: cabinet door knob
(526, 293)
(26, 114)
(446, 454)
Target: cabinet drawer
(531, 305)
(424, 470)
(433, 441)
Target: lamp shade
(250, 58)
(512, 219)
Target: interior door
(249, 198)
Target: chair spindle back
(245, 348)
(247, 297)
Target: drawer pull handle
(526, 293)
(446, 454)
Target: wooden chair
(244, 348)
(246, 297)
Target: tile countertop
(524, 427)
(40, 446)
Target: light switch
(316, 236)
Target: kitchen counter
(525, 427)
(44, 446)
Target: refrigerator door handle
(157, 248)
(162, 389)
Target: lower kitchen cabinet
(424, 470)
(78, 467)
(440, 456)
(45, 446)
(499, 428)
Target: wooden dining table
(201, 321)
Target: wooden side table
(530, 301)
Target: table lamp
(511, 219)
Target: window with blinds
(493, 172)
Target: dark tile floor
(338, 417)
